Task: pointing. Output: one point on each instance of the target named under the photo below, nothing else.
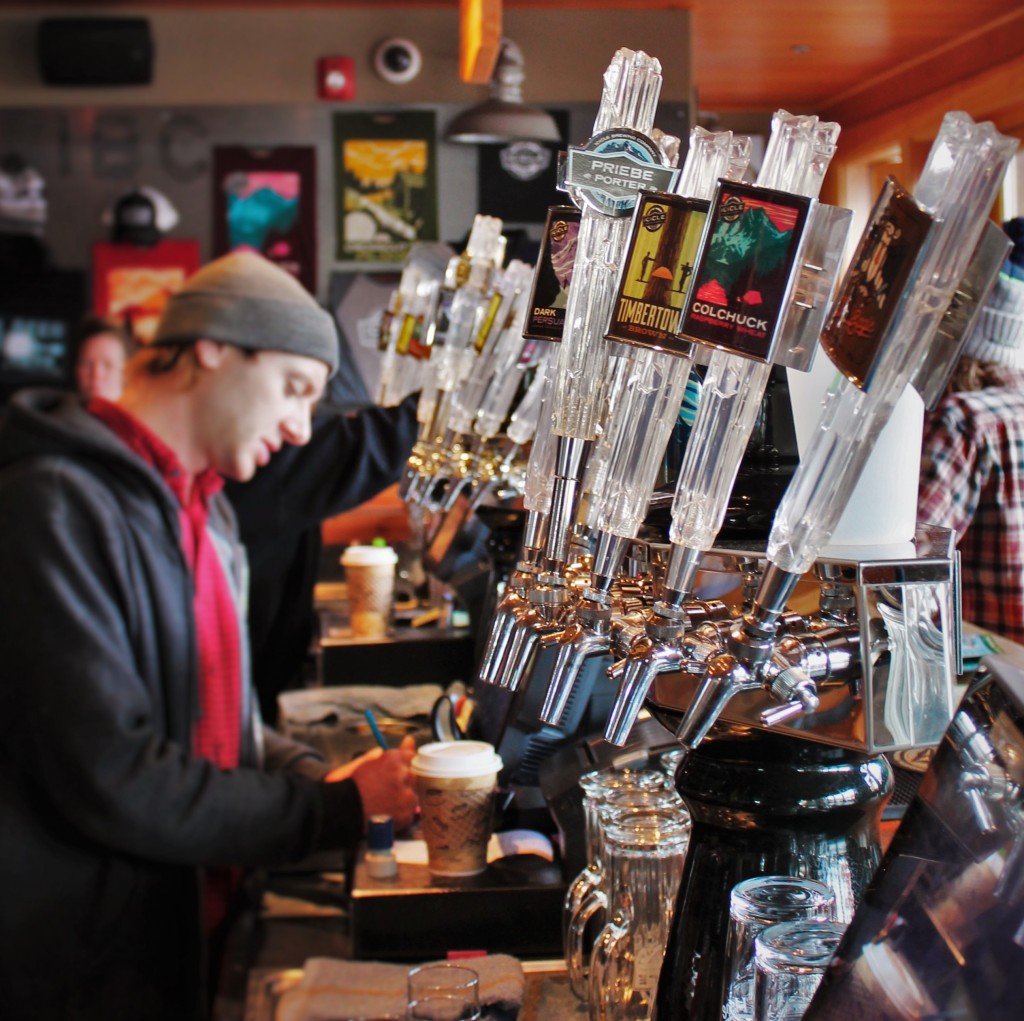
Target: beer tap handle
(729, 403)
(734, 385)
(640, 430)
(956, 190)
(974, 783)
(541, 466)
(523, 422)
(632, 84)
(639, 425)
(783, 713)
(496, 345)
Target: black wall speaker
(95, 51)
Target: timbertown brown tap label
(657, 272)
(746, 269)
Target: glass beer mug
(596, 787)
(644, 855)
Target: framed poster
(38, 316)
(386, 182)
(264, 200)
(132, 284)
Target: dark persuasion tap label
(657, 272)
(746, 268)
(877, 283)
(553, 274)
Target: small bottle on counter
(380, 855)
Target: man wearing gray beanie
(138, 777)
(245, 300)
(972, 465)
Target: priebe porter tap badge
(609, 172)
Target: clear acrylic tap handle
(632, 84)
(540, 469)
(957, 186)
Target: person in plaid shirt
(972, 463)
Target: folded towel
(331, 988)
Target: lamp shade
(504, 117)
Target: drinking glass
(644, 853)
(668, 763)
(790, 959)
(755, 904)
(583, 923)
(443, 992)
(595, 786)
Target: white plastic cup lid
(456, 758)
(368, 556)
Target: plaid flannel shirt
(972, 480)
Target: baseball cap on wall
(141, 217)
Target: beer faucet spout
(725, 676)
(549, 601)
(646, 659)
(496, 649)
(576, 645)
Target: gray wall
(239, 56)
(247, 78)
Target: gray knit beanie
(999, 332)
(245, 300)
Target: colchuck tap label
(745, 272)
(657, 272)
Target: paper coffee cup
(455, 782)
(370, 574)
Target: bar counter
(306, 913)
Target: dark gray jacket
(105, 818)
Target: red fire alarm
(336, 78)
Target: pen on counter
(372, 721)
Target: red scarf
(217, 732)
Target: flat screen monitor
(38, 315)
(939, 932)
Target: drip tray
(513, 907)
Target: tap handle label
(552, 276)
(877, 284)
(657, 271)
(609, 173)
(746, 269)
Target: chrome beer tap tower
(785, 668)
